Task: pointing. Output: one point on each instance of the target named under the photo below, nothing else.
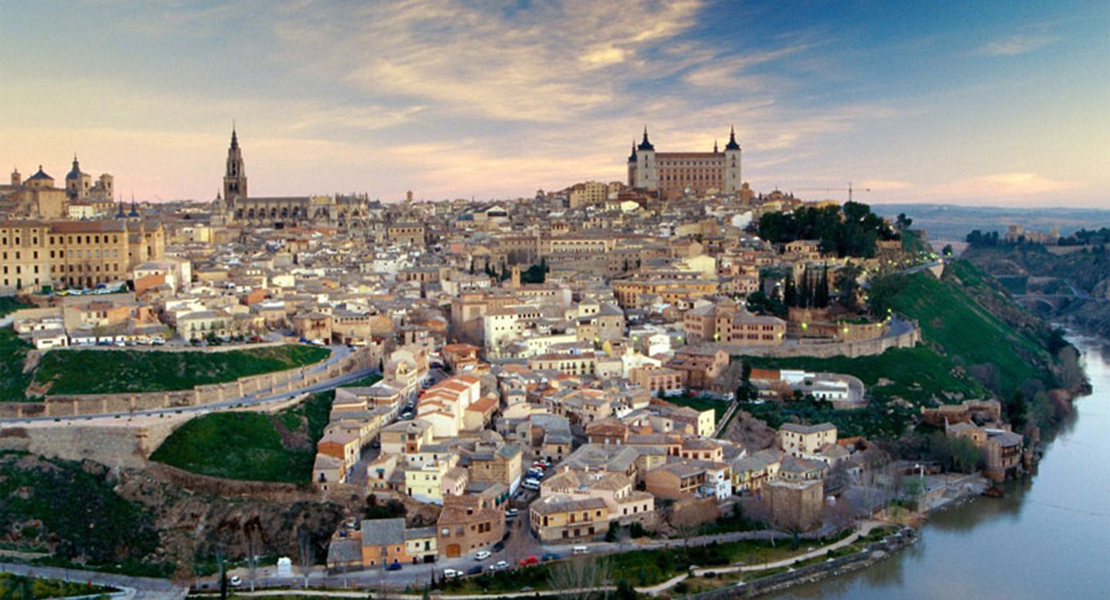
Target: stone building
(236, 207)
(675, 174)
(36, 254)
(468, 523)
(794, 505)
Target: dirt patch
(750, 432)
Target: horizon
(987, 105)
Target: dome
(40, 175)
(75, 172)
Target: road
(137, 588)
(417, 575)
(338, 353)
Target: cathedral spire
(234, 137)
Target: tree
(222, 573)
(252, 542)
(1016, 410)
(306, 552)
(966, 456)
(847, 285)
(580, 577)
(903, 222)
(947, 251)
(790, 292)
(625, 591)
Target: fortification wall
(871, 347)
(122, 445)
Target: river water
(1048, 538)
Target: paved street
(138, 588)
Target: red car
(529, 560)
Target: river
(1048, 538)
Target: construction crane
(828, 190)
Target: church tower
(733, 180)
(235, 179)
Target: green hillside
(962, 315)
(250, 446)
(121, 371)
(978, 344)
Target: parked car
(235, 581)
(511, 513)
(529, 560)
(499, 546)
(581, 550)
(530, 484)
(475, 570)
(499, 566)
(451, 573)
(550, 556)
(394, 566)
(483, 555)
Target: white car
(235, 581)
(482, 555)
(451, 573)
(500, 566)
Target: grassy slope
(250, 446)
(952, 316)
(13, 381)
(120, 371)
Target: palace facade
(676, 174)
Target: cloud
(478, 60)
(1015, 44)
(1002, 185)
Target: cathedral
(676, 174)
(236, 207)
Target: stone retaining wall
(121, 445)
(272, 383)
(852, 349)
(814, 572)
(269, 490)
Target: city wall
(820, 349)
(270, 383)
(115, 445)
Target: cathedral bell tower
(235, 179)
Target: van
(581, 550)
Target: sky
(985, 102)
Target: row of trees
(851, 230)
(813, 292)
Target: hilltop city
(746, 387)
